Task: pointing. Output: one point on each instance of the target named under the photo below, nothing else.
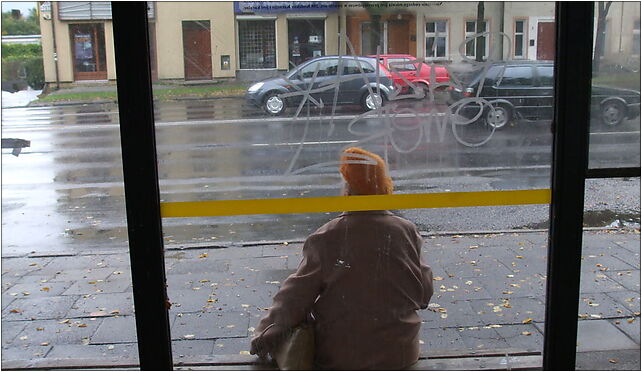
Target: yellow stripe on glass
(354, 203)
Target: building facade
(254, 40)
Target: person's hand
(267, 342)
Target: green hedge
(29, 69)
(12, 50)
(23, 62)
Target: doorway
(88, 51)
(546, 41)
(398, 37)
(197, 50)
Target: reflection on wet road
(65, 192)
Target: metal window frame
(569, 170)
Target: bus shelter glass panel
(615, 104)
(610, 277)
(249, 163)
(66, 283)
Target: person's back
(361, 278)
(366, 313)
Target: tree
(20, 26)
(602, 11)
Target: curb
(103, 101)
(258, 243)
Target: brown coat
(362, 278)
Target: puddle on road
(603, 218)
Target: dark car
(354, 87)
(524, 90)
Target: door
(197, 50)
(398, 37)
(517, 86)
(88, 51)
(305, 80)
(546, 41)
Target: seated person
(361, 279)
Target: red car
(409, 71)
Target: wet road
(65, 192)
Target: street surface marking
(354, 203)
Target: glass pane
(615, 104)
(519, 26)
(257, 134)
(519, 45)
(257, 44)
(517, 75)
(609, 303)
(430, 26)
(66, 281)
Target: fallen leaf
(244, 352)
(203, 255)
(46, 289)
(444, 316)
(82, 325)
(526, 333)
(614, 361)
(438, 278)
(40, 329)
(520, 257)
(469, 282)
(285, 243)
(44, 344)
(110, 347)
(17, 311)
(24, 338)
(85, 341)
(527, 321)
(188, 336)
(630, 320)
(63, 321)
(245, 305)
(230, 326)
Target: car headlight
(255, 87)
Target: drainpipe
(55, 52)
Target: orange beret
(365, 172)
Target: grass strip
(159, 94)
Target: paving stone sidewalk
(489, 294)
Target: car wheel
(613, 113)
(371, 101)
(498, 116)
(273, 104)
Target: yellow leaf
(92, 282)
(630, 320)
(438, 278)
(203, 255)
(46, 289)
(82, 325)
(245, 305)
(526, 333)
(244, 352)
(527, 321)
(520, 257)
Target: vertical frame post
(573, 70)
(142, 196)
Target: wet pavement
(489, 295)
(68, 184)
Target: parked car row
(525, 90)
(512, 90)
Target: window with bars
(471, 45)
(437, 39)
(520, 39)
(257, 44)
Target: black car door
(517, 87)
(545, 91)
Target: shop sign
(245, 7)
